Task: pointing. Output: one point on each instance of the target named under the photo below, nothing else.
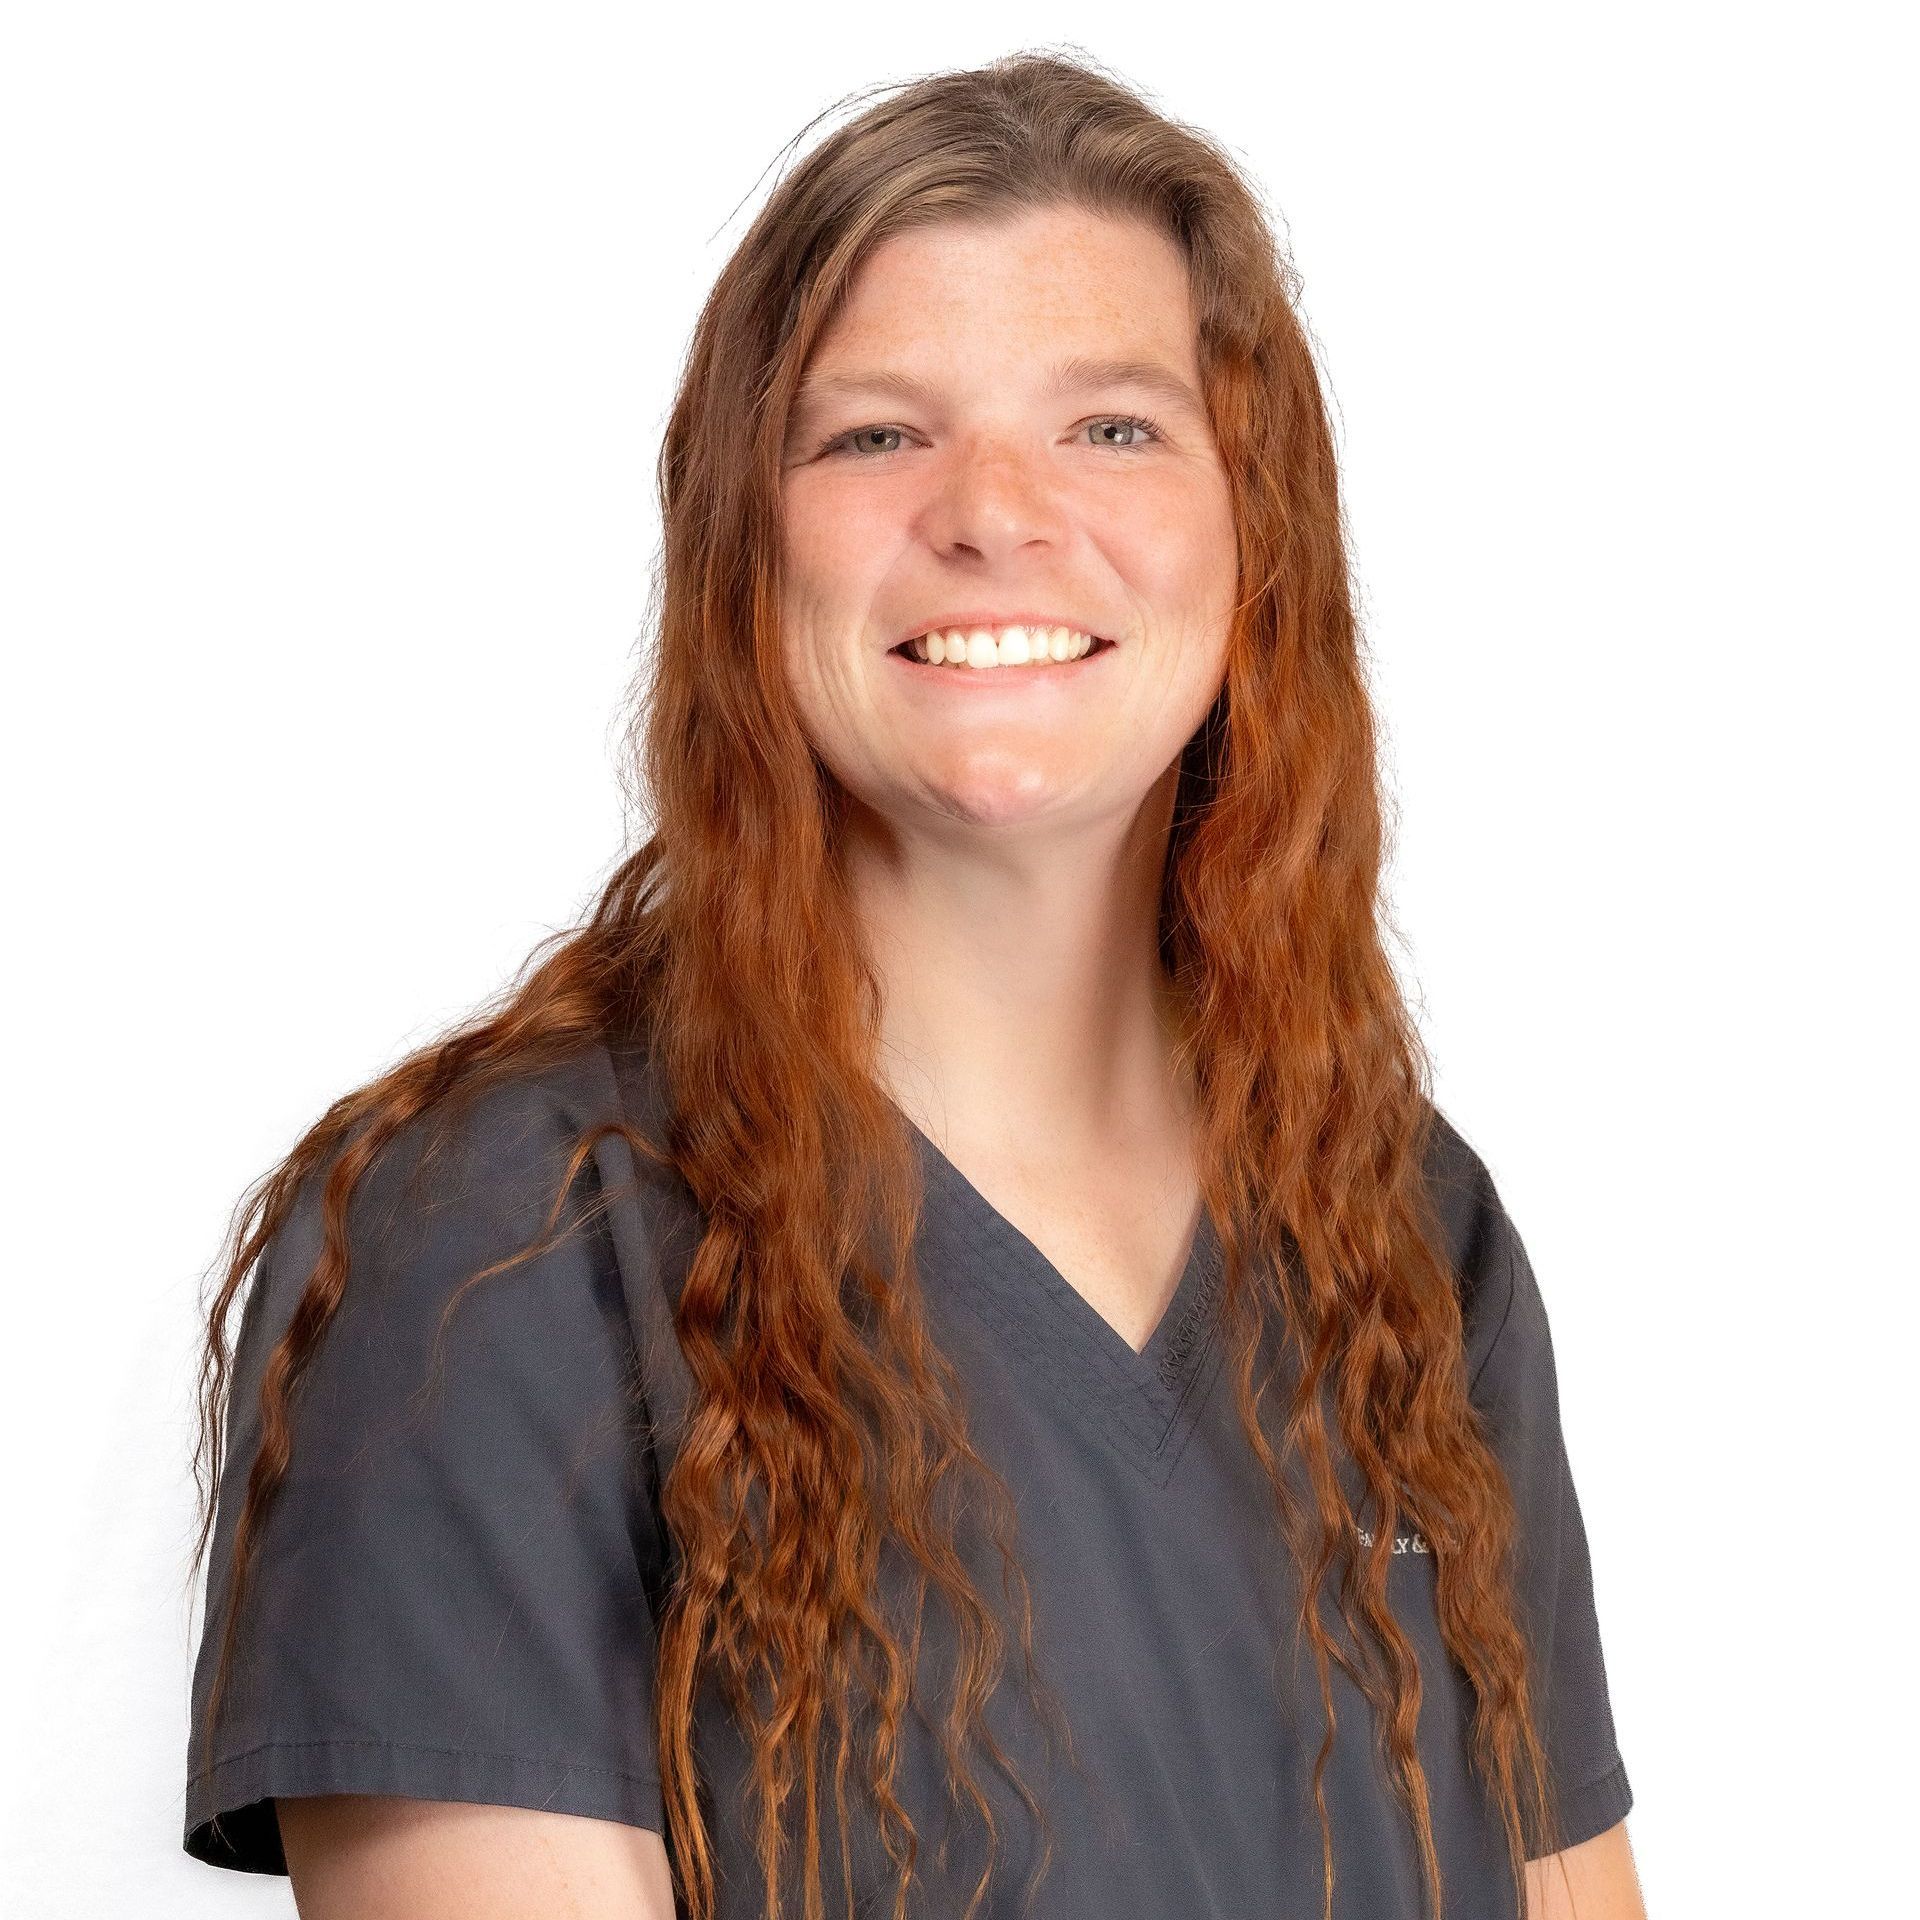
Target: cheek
(838, 537)
(823, 602)
(826, 684)
(1175, 544)
(1180, 565)
(1187, 687)
(820, 686)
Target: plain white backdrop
(337, 346)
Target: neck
(1022, 989)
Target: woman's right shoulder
(532, 1174)
(498, 1150)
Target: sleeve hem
(231, 1821)
(1591, 1809)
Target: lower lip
(973, 679)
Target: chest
(1161, 1619)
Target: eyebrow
(1076, 374)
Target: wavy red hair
(825, 1423)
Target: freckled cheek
(834, 526)
(1171, 543)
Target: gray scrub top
(455, 1593)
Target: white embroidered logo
(1403, 1543)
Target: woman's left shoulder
(1476, 1235)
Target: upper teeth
(999, 647)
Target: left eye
(1148, 430)
(1137, 421)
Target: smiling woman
(936, 1357)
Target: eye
(1150, 428)
(859, 433)
(1139, 422)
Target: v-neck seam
(1147, 1411)
(1137, 1368)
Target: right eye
(845, 439)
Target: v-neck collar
(1144, 1402)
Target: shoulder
(524, 1187)
(493, 1154)
(461, 1187)
(500, 1142)
(1476, 1237)
(489, 1303)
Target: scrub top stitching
(1146, 1403)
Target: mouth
(1015, 651)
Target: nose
(994, 499)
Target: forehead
(1061, 297)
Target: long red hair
(727, 943)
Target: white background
(338, 342)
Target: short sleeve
(452, 1594)
(1513, 1384)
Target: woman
(935, 1351)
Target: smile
(981, 649)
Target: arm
(379, 1857)
(1593, 1881)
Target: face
(962, 457)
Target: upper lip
(943, 623)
